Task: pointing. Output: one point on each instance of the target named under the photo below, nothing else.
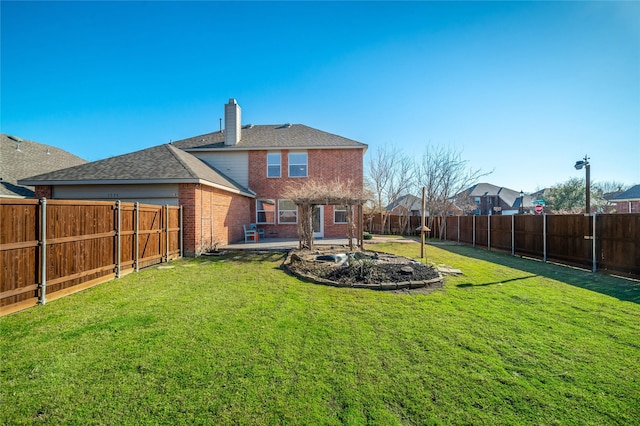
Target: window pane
(273, 159)
(273, 171)
(298, 158)
(287, 205)
(297, 171)
(288, 217)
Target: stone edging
(403, 285)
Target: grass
(240, 342)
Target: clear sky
(524, 89)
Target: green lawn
(238, 341)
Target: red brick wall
(323, 164)
(623, 206)
(189, 199)
(211, 216)
(43, 191)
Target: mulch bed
(377, 271)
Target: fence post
(594, 266)
(181, 235)
(166, 210)
(544, 237)
(458, 229)
(137, 233)
(43, 251)
(489, 232)
(513, 235)
(118, 248)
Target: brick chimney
(232, 123)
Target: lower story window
(287, 211)
(340, 214)
(265, 211)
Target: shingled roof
(158, 164)
(508, 196)
(20, 158)
(630, 194)
(270, 136)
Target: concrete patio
(282, 244)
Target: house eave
(270, 148)
(250, 194)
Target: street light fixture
(579, 165)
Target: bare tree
(444, 173)
(392, 175)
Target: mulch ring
(362, 269)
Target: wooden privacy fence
(608, 242)
(604, 242)
(51, 248)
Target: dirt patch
(362, 269)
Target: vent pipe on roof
(232, 123)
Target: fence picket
(614, 245)
(51, 248)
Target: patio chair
(250, 235)
(254, 227)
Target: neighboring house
(488, 199)
(20, 158)
(407, 205)
(628, 201)
(223, 180)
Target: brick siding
(43, 191)
(628, 206)
(211, 216)
(323, 164)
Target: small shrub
(367, 236)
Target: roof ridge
(174, 151)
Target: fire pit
(361, 269)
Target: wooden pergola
(311, 194)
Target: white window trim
(287, 210)
(336, 209)
(279, 165)
(266, 211)
(289, 163)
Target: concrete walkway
(282, 244)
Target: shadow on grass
(619, 288)
(463, 285)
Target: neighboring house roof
(276, 136)
(20, 158)
(508, 196)
(158, 164)
(630, 194)
(408, 201)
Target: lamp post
(579, 165)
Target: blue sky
(524, 89)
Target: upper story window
(477, 200)
(273, 165)
(265, 211)
(297, 164)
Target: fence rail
(601, 242)
(51, 248)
